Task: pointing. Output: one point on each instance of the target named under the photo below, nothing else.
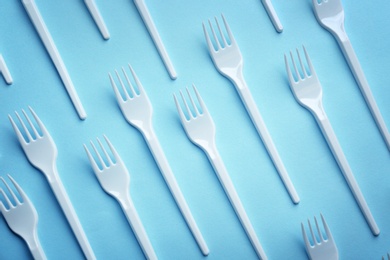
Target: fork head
(226, 55)
(321, 249)
(112, 174)
(329, 13)
(198, 125)
(21, 215)
(134, 104)
(305, 86)
(39, 147)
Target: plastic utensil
(228, 60)
(137, 110)
(147, 18)
(200, 130)
(4, 70)
(308, 92)
(321, 249)
(40, 26)
(272, 15)
(22, 218)
(41, 152)
(97, 17)
(330, 15)
(115, 180)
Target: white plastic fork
(137, 110)
(200, 130)
(41, 152)
(115, 180)
(321, 248)
(228, 60)
(4, 70)
(44, 34)
(97, 17)
(22, 218)
(330, 15)
(272, 15)
(308, 92)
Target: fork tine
(99, 156)
(295, 67)
(123, 85)
(215, 36)
(301, 63)
(17, 131)
(31, 124)
(2, 207)
(305, 238)
(39, 122)
(118, 95)
(231, 37)
(209, 43)
(19, 189)
(179, 110)
(193, 103)
(128, 82)
(221, 33)
(319, 230)
(312, 71)
(200, 100)
(6, 199)
(327, 231)
(94, 165)
(312, 233)
(186, 105)
(29, 137)
(289, 73)
(10, 191)
(105, 152)
(136, 79)
(113, 151)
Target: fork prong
(305, 238)
(29, 137)
(10, 205)
(312, 71)
(327, 231)
(131, 87)
(10, 191)
(186, 105)
(31, 124)
(39, 122)
(289, 73)
(19, 189)
(209, 43)
(193, 103)
(123, 85)
(179, 110)
(113, 151)
(312, 233)
(99, 156)
(215, 36)
(319, 230)
(17, 131)
(2, 207)
(231, 37)
(110, 162)
(200, 100)
(118, 95)
(136, 79)
(221, 33)
(301, 63)
(295, 67)
(94, 165)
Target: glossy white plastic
(4, 70)
(144, 12)
(41, 151)
(22, 218)
(114, 178)
(308, 92)
(200, 129)
(321, 248)
(228, 60)
(137, 110)
(97, 17)
(40, 26)
(330, 15)
(272, 15)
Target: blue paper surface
(303, 149)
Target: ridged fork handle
(136, 224)
(338, 154)
(234, 199)
(66, 206)
(35, 246)
(360, 78)
(258, 121)
(170, 179)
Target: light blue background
(298, 139)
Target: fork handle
(64, 201)
(335, 147)
(136, 225)
(258, 121)
(35, 247)
(234, 199)
(170, 180)
(357, 71)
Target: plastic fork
(272, 15)
(330, 15)
(4, 70)
(22, 218)
(228, 60)
(115, 180)
(137, 110)
(41, 152)
(321, 248)
(200, 130)
(308, 92)
(44, 34)
(97, 17)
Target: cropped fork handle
(35, 247)
(230, 191)
(335, 147)
(170, 179)
(258, 121)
